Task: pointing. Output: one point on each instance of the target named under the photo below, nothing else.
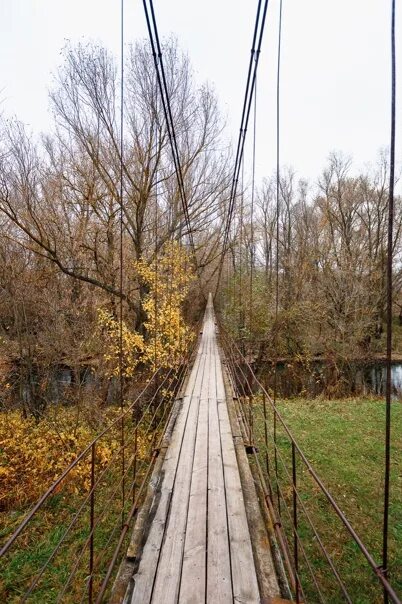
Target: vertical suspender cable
(248, 98)
(121, 209)
(278, 72)
(241, 242)
(277, 185)
(156, 235)
(252, 255)
(389, 304)
(156, 282)
(232, 238)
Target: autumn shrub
(33, 454)
(132, 344)
(167, 279)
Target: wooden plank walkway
(198, 548)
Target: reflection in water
(377, 379)
(317, 377)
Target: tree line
(322, 247)
(61, 199)
(308, 278)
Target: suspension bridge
(198, 547)
(212, 510)
(207, 497)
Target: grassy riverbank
(344, 440)
(54, 548)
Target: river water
(318, 377)
(375, 376)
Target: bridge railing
(301, 508)
(68, 546)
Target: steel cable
(388, 394)
(258, 34)
(167, 110)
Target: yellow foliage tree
(33, 455)
(132, 344)
(167, 279)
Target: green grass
(36, 544)
(344, 441)
(63, 522)
(25, 561)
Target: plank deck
(198, 548)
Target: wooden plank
(167, 580)
(244, 578)
(144, 578)
(219, 583)
(220, 386)
(193, 579)
(196, 367)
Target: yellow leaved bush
(167, 279)
(132, 344)
(33, 455)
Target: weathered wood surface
(198, 548)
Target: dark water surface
(319, 377)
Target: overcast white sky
(335, 69)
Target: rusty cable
(388, 392)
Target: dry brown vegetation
(331, 261)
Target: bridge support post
(92, 523)
(295, 523)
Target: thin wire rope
(262, 413)
(234, 267)
(162, 83)
(132, 488)
(258, 34)
(227, 263)
(315, 477)
(41, 501)
(387, 469)
(241, 243)
(121, 273)
(252, 259)
(316, 535)
(156, 234)
(97, 483)
(239, 388)
(246, 110)
(275, 389)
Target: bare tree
(64, 198)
